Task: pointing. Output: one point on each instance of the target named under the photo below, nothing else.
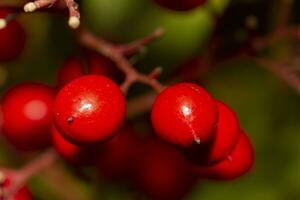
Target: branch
(192, 71)
(284, 32)
(138, 45)
(283, 72)
(74, 15)
(20, 177)
(117, 53)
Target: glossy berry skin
(89, 109)
(163, 173)
(71, 69)
(12, 38)
(184, 114)
(73, 154)
(180, 5)
(27, 115)
(226, 134)
(238, 163)
(226, 137)
(120, 155)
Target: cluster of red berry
(89, 111)
(83, 119)
(12, 36)
(206, 129)
(22, 193)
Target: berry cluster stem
(282, 71)
(74, 14)
(20, 177)
(260, 43)
(117, 53)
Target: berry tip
(70, 120)
(74, 22)
(197, 140)
(30, 7)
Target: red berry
(226, 137)
(100, 65)
(89, 109)
(120, 155)
(239, 162)
(27, 115)
(22, 194)
(180, 5)
(184, 114)
(76, 155)
(70, 70)
(163, 173)
(12, 38)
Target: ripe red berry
(180, 5)
(76, 155)
(226, 137)
(70, 70)
(22, 194)
(239, 162)
(89, 109)
(184, 114)
(120, 155)
(12, 38)
(163, 173)
(27, 115)
(100, 65)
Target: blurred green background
(268, 109)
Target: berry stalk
(20, 177)
(117, 54)
(74, 14)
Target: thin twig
(114, 53)
(279, 34)
(282, 71)
(137, 45)
(74, 14)
(20, 177)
